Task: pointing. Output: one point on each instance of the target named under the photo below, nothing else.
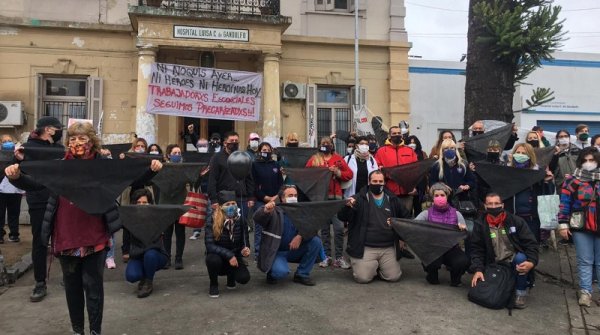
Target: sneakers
(231, 283)
(213, 291)
(520, 301)
(303, 280)
(110, 263)
(341, 263)
(195, 235)
(326, 262)
(14, 239)
(178, 264)
(145, 289)
(39, 292)
(585, 298)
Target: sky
(438, 28)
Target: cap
(48, 121)
(253, 136)
(225, 196)
(215, 136)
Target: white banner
(204, 92)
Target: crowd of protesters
(500, 230)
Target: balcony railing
(249, 7)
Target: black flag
(408, 176)
(295, 157)
(508, 181)
(92, 184)
(310, 217)
(476, 146)
(147, 223)
(196, 157)
(544, 156)
(144, 155)
(43, 153)
(117, 149)
(313, 182)
(428, 240)
(173, 177)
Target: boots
(145, 289)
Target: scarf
(446, 215)
(496, 221)
(229, 225)
(362, 156)
(587, 176)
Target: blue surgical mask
(10, 146)
(230, 211)
(175, 158)
(449, 154)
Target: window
(341, 4)
(334, 5)
(333, 114)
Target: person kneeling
(275, 253)
(226, 243)
(373, 246)
(144, 260)
(503, 237)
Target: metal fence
(252, 7)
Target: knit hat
(440, 187)
(225, 196)
(215, 136)
(48, 121)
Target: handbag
(466, 207)
(195, 217)
(547, 208)
(577, 219)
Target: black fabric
(43, 153)
(544, 156)
(147, 223)
(117, 149)
(39, 249)
(131, 154)
(496, 292)
(476, 146)
(380, 134)
(362, 174)
(508, 181)
(217, 266)
(342, 135)
(172, 179)
(428, 240)
(6, 158)
(313, 182)
(309, 217)
(220, 178)
(295, 157)
(197, 157)
(93, 185)
(408, 176)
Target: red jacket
(335, 187)
(390, 156)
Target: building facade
(90, 60)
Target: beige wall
(87, 11)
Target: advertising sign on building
(208, 33)
(204, 92)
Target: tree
(507, 40)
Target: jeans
(338, 239)
(39, 249)
(522, 280)
(587, 247)
(111, 252)
(218, 266)
(306, 255)
(10, 209)
(179, 239)
(84, 285)
(145, 267)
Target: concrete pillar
(271, 113)
(145, 124)
(399, 85)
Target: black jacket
(137, 249)
(220, 179)
(482, 250)
(225, 247)
(358, 218)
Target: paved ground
(180, 305)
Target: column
(145, 124)
(271, 116)
(399, 85)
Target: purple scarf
(446, 215)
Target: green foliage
(520, 33)
(539, 97)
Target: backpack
(498, 289)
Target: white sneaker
(195, 235)
(585, 298)
(341, 263)
(110, 263)
(325, 263)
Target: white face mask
(349, 150)
(253, 145)
(413, 146)
(563, 141)
(202, 149)
(154, 153)
(291, 200)
(364, 148)
(403, 130)
(589, 166)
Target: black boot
(432, 277)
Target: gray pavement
(180, 304)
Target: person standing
(253, 142)
(582, 133)
(10, 200)
(173, 152)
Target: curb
(19, 269)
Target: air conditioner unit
(293, 90)
(11, 113)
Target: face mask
(154, 153)
(175, 158)
(404, 131)
(494, 211)
(233, 147)
(326, 149)
(493, 156)
(202, 149)
(364, 148)
(349, 151)
(534, 143)
(265, 155)
(589, 166)
(396, 139)
(563, 141)
(372, 147)
(440, 201)
(292, 144)
(476, 132)
(291, 200)
(450, 154)
(8, 146)
(230, 211)
(57, 136)
(376, 189)
(139, 150)
(520, 158)
(413, 146)
(583, 137)
(253, 145)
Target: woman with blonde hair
(291, 140)
(533, 139)
(453, 171)
(226, 242)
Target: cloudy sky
(438, 28)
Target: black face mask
(266, 155)
(326, 149)
(292, 144)
(376, 189)
(372, 147)
(534, 143)
(495, 211)
(476, 132)
(233, 147)
(396, 139)
(57, 136)
(493, 157)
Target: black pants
(126, 242)
(455, 259)
(39, 249)
(179, 239)
(10, 208)
(84, 285)
(217, 266)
